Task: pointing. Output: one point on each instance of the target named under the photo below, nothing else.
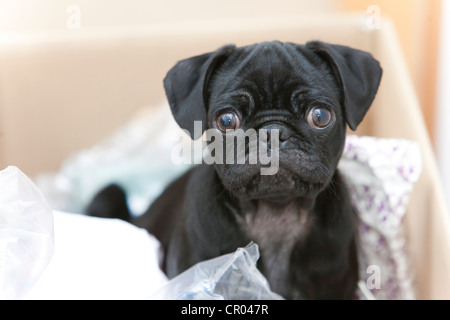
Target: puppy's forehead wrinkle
(269, 57)
(269, 73)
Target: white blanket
(46, 254)
(98, 258)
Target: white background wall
(442, 133)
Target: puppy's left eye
(319, 118)
(227, 121)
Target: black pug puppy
(301, 217)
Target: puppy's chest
(276, 230)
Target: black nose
(284, 131)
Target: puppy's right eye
(227, 121)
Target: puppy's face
(274, 86)
(304, 95)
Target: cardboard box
(63, 92)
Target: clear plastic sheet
(232, 276)
(26, 234)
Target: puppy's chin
(280, 187)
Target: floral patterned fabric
(380, 174)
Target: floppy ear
(185, 85)
(359, 76)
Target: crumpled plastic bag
(26, 234)
(232, 276)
